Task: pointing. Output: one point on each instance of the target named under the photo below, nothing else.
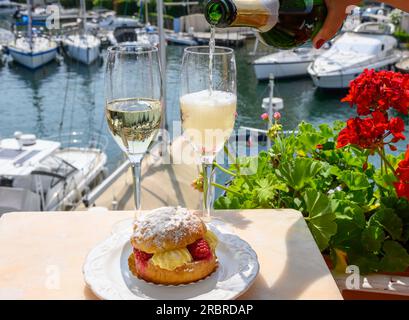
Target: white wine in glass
(208, 106)
(208, 119)
(134, 123)
(133, 109)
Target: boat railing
(90, 198)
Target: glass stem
(136, 173)
(207, 189)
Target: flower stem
(232, 159)
(224, 169)
(214, 184)
(381, 153)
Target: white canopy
(21, 162)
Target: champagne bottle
(284, 24)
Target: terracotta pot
(367, 294)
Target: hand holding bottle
(337, 11)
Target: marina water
(70, 97)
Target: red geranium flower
(402, 189)
(396, 127)
(402, 173)
(367, 133)
(379, 91)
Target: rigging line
(101, 122)
(72, 105)
(65, 103)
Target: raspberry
(141, 255)
(200, 250)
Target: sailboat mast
(162, 54)
(30, 23)
(146, 12)
(83, 15)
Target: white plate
(106, 271)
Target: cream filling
(170, 260)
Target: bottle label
(273, 6)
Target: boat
(39, 175)
(9, 8)
(109, 21)
(83, 47)
(180, 38)
(374, 13)
(403, 66)
(285, 63)
(32, 51)
(368, 47)
(143, 36)
(6, 37)
(1, 55)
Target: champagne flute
(133, 93)
(208, 106)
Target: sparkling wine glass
(133, 109)
(208, 106)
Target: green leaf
(265, 191)
(359, 196)
(372, 238)
(384, 180)
(227, 203)
(366, 261)
(350, 220)
(305, 127)
(320, 217)
(355, 180)
(353, 160)
(326, 131)
(299, 172)
(388, 219)
(348, 211)
(309, 141)
(396, 258)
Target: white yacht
(286, 63)
(6, 37)
(181, 38)
(39, 175)
(141, 36)
(370, 46)
(32, 51)
(109, 21)
(82, 47)
(8, 8)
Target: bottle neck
(259, 14)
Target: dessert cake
(172, 246)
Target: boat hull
(86, 55)
(342, 80)
(281, 70)
(33, 60)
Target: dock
(163, 184)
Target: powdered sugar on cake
(165, 223)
